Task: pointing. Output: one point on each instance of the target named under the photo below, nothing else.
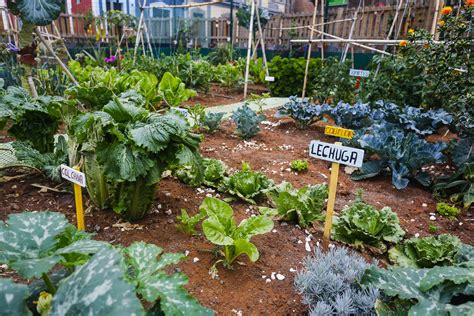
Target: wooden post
(435, 18)
(139, 32)
(331, 202)
(351, 32)
(264, 54)
(249, 48)
(78, 200)
(308, 59)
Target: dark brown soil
(245, 288)
(218, 95)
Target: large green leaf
(220, 211)
(173, 90)
(29, 242)
(39, 12)
(438, 275)
(216, 232)
(251, 226)
(244, 246)
(123, 109)
(97, 288)
(12, 298)
(148, 263)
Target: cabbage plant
(247, 184)
(126, 148)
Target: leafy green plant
(33, 120)
(222, 55)
(426, 252)
(302, 111)
(247, 121)
(114, 276)
(174, 91)
(197, 114)
(299, 165)
(433, 228)
(247, 184)
(304, 205)
(362, 225)
(333, 82)
(220, 228)
(447, 210)
(187, 224)
(130, 148)
(212, 121)
(214, 172)
(228, 75)
(412, 291)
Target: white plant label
(183, 111)
(269, 78)
(336, 153)
(359, 73)
(74, 176)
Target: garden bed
(246, 288)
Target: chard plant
(221, 229)
(126, 148)
(247, 184)
(426, 252)
(302, 206)
(173, 90)
(363, 226)
(99, 280)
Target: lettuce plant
(447, 210)
(220, 228)
(426, 252)
(247, 184)
(303, 206)
(330, 284)
(404, 155)
(362, 225)
(130, 148)
(214, 172)
(413, 291)
(111, 281)
(174, 91)
(299, 165)
(247, 121)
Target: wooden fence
(372, 23)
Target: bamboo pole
(322, 27)
(60, 62)
(185, 6)
(139, 32)
(435, 19)
(351, 32)
(308, 59)
(264, 54)
(305, 26)
(249, 48)
(336, 39)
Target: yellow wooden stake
(78, 199)
(331, 202)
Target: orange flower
(446, 10)
(469, 3)
(403, 43)
(411, 31)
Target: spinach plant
(221, 229)
(247, 184)
(426, 252)
(303, 206)
(363, 226)
(126, 149)
(247, 121)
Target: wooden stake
(249, 48)
(308, 59)
(78, 200)
(331, 202)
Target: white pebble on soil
(432, 218)
(196, 259)
(280, 277)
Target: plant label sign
(338, 132)
(336, 153)
(73, 175)
(359, 73)
(269, 78)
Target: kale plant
(247, 121)
(212, 121)
(303, 112)
(362, 225)
(426, 252)
(329, 283)
(404, 154)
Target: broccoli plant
(247, 184)
(212, 121)
(330, 284)
(362, 225)
(126, 149)
(303, 206)
(426, 252)
(247, 121)
(220, 228)
(112, 281)
(299, 165)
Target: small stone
(169, 212)
(268, 280)
(412, 220)
(292, 270)
(196, 259)
(170, 221)
(307, 247)
(417, 235)
(460, 223)
(273, 276)
(432, 218)
(186, 253)
(274, 231)
(167, 194)
(424, 205)
(280, 277)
